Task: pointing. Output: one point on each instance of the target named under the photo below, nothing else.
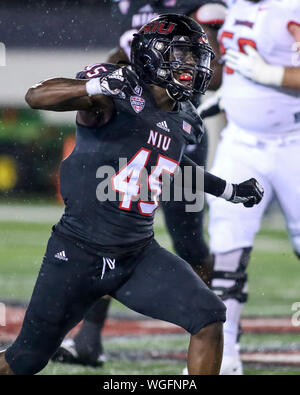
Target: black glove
(249, 193)
(120, 83)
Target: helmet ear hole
(148, 67)
(146, 59)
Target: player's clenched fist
(249, 193)
(117, 84)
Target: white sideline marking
(269, 358)
(23, 213)
(268, 322)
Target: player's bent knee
(28, 363)
(206, 310)
(230, 277)
(30, 353)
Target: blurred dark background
(53, 23)
(44, 39)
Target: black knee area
(27, 362)
(37, 342)
(207, 311)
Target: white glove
(253, 66)
(212, 106)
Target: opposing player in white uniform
(261, 97)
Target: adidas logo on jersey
(164, 126)
(61, 255)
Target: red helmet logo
(158, 27)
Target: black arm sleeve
(212, 184)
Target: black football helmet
(172, 51)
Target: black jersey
(131, 15)
(146, 137)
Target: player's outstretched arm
(62, 94)
(249, 192)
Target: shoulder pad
(211, 14)
(97, 70)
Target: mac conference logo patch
(137, 103)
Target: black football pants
(152, 281)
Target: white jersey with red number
(264, 25)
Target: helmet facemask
(183, 66)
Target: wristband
(228, 191)
(93, 87)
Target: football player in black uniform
(106, 246)
(131, 15)
(185, 229)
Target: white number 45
(127, 180)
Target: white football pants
(275, 163)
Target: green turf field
(274, 271)
(274, 287)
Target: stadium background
(46, 39)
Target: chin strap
(178, 95)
